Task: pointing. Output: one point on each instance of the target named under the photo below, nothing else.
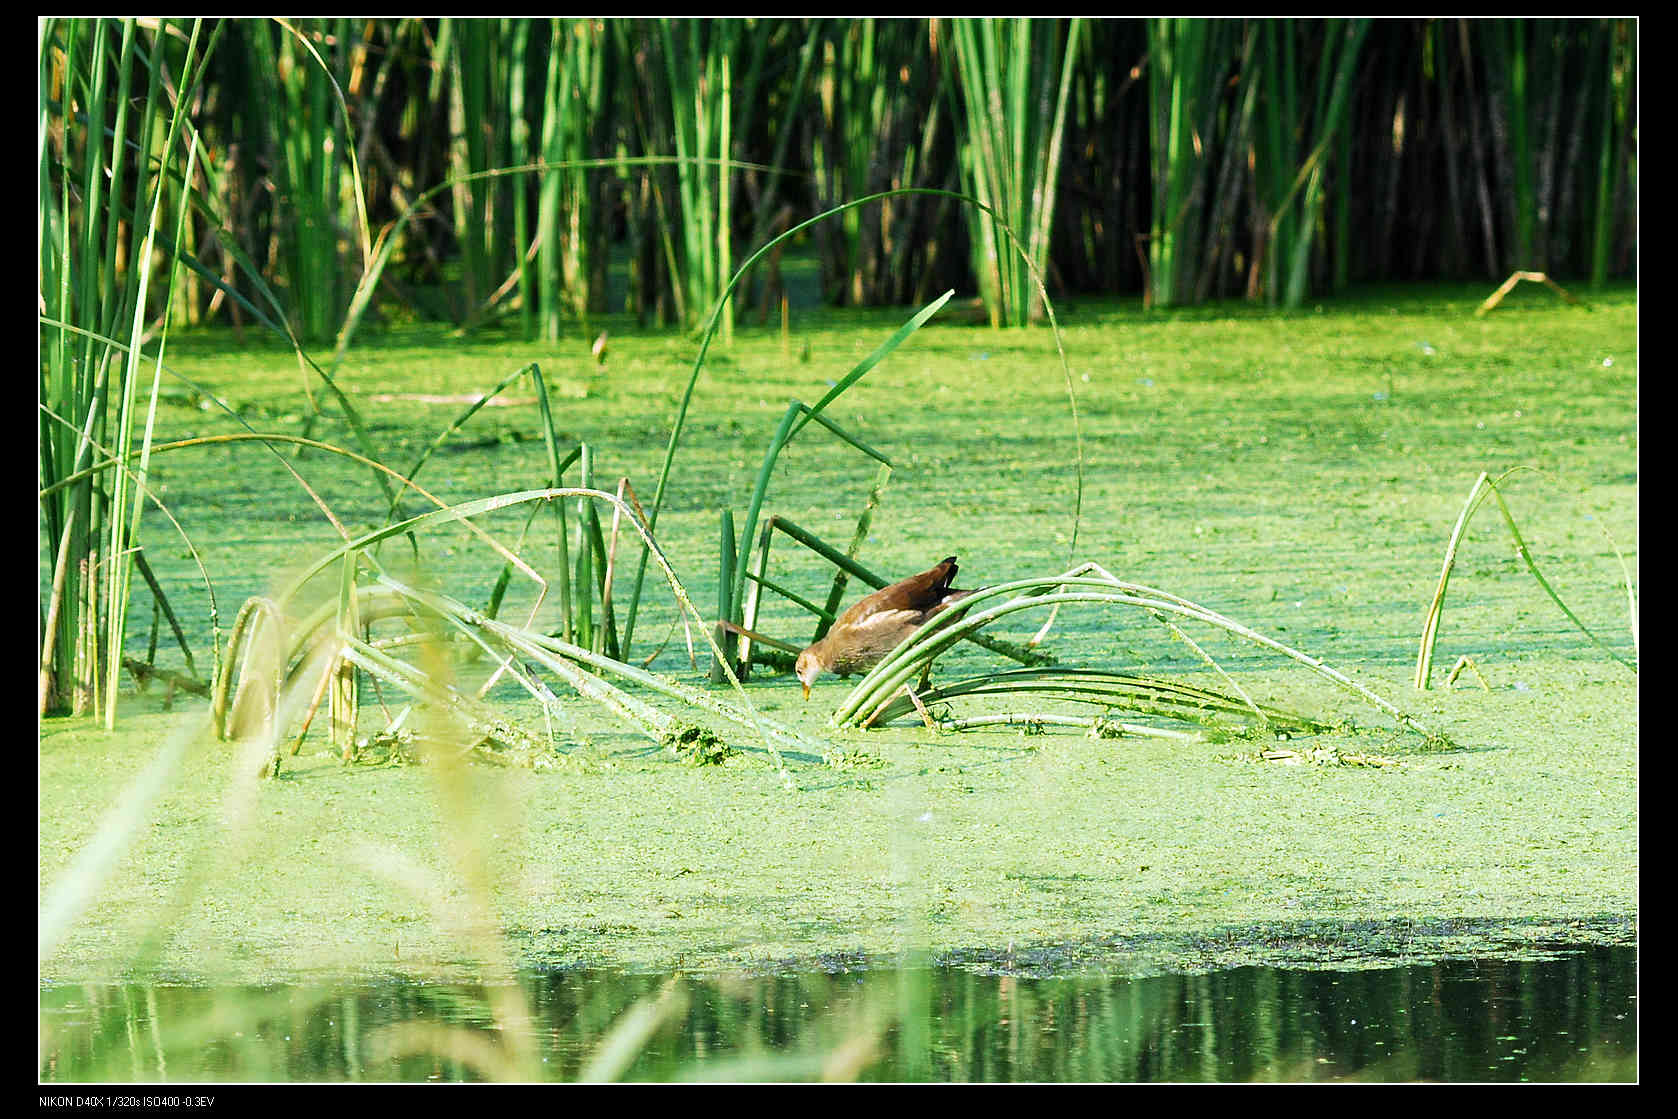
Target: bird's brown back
(876, 624)
(925, 593)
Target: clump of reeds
(322, 651)
(98, 207)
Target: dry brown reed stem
(1508, 285)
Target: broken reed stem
(1483, 487)
(467, 510)
(1430, 626)
(1508, 285)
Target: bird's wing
(885, 620)
(923, 591)
(919, 593)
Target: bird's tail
(761, 639)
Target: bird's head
(808, 668)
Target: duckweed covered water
(1298, 473)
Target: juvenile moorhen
(866, 632)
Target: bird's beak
(806, 693)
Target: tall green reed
(1300, 126)
(882, 119)
(523, 91)
(1558, 90)
(1015, 76)
(690, 103)
(319, 125)
(297, 119)
(1613, 138)
(576, 119)
(1186, 61)
(473, 54)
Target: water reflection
(1572, 1018)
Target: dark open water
(1570, 1018)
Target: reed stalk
(298, 109)
(468, 51)
(1616, 126)
(573, 109)
(1186, 58)
(318, 123)
(1011, 72)
(1293, 175)
(698, 85)
(1512, 127)
(360, 551)
(882, 119)
(1112, 691)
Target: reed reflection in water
(1572, 1018)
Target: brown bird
(866, 632)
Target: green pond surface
(1570, 1017)
(1298, 473)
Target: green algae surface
(1299, 473)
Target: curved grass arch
(1091, 584)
